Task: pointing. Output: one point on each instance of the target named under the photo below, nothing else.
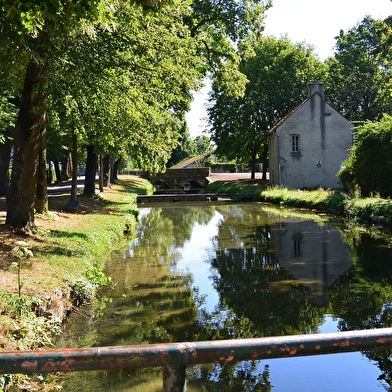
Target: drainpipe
(279, 172)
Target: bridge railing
(175, 357)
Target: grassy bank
(364, 210)
(58, 266)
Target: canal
(227, 271)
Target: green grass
(239, 187)
(74, 247)
(320, 199)
(328, 201)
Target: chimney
(315, 87)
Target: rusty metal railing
(175, 357)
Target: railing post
(174, 377)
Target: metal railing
(175, 357)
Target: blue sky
(312, 21)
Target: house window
(297, 248)
(295, 143)
(296, 241)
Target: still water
(228, 271)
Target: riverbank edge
(366, 211)
(67, 252)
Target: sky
(315, 22)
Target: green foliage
(128, 106)
(16, 305)
(8, 112)
(34, 332)
(320, 199)
(96, 276)
(278, 73)
(23, 323)
(20, 252)
(203, 145)
(249, 187)
(218, 27)
(369, 165)
(363, 209)
(297, 198)
(359, 83)
(84, 290)
(226, 167)
(185, 149)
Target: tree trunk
(64, 170)
(91, 168)
(100, 173)
(73, 203)
(114, 171)
(58, 172)
(74, 184)
(41, 194)
(5, 156)
(28, 128)
(106, 171)
(253, 164)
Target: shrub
(369, 164)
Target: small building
(308, 146)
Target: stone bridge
(192, 180)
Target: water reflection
(233, 271)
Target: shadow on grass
(68, 234)
(89, 205)
(136, 186)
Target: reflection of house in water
(313, 254)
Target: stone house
(307, 147)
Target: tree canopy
(278, 72)
(360, 75)
(115, 76)
(112, 93)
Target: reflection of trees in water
(362, 298)
(183, 220)
(359, 302)
(231, 377)
(163, 230)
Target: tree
(33, 37)
(31, 34)
(203, 145)
(184, 150)
(369, 164)
(129, 107)
(278, 73)
(8, 111)
(360, 76)
(218, 26)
